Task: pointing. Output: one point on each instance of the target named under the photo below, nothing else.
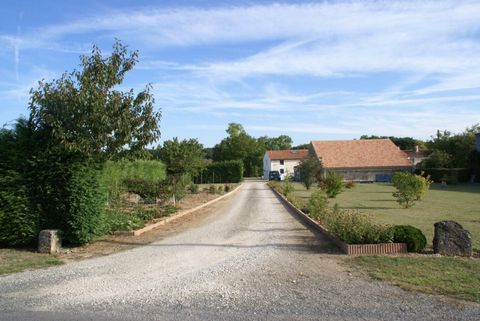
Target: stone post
(49, 241)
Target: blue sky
(311, 70)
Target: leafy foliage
(333, 184)
(182, 157)
(83, 112)
(18, 224)
(409, 187)
(116, 175)
(412, 236)
(309, 168)
(223, 172)
(287, 186)
(404, 143)
(317, 205)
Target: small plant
(426, 182)
(317, 205)
(168, 210)
(287, 187)
(226, 188)
(212, 189)
(350, 184)
(334, 184)
(193, 188)
(409, 187)
(220, 189)
(412, 236)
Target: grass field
(454, 277)
(17, 260)
(460, 203)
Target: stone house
(372, 160)
(283, 161)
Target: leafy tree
(453, 150)
(409, 187)
(240, 146)
(77, 122)
(309, 168)
(302, 146)
(333, 184)
(181, 158)
(281, 142)
(83, 111)
(404, 143)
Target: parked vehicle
(274, 176)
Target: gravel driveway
(252, 260)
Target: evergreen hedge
(222, 172)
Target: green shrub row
(222, 172)
(450, 175)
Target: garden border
(349, 249)
(164, 221)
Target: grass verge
(456, 202)
(454, 277)
(17, 260)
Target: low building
(416, 156)
(283, 161)
(369, 160)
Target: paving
(251, 260)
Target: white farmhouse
(283, 161)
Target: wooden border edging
(177, 216)
(349, 249)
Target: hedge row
(451, 175)
(222, 172)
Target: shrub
(350, 184)
(317, 206)
(287, 187)
(116, 220)
(309, 169)
(212, 189)
(333, 184)
(220, 189)
(409, 187)
(66, 194)
(116, 173)
(223, 172)
(354, 227)
(425, 182)
(412, 236)
(193, 188)
(227, 188)
(18, 223)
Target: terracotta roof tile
(360, 153)
(287, 154)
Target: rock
(131, 198)
(49, 241)
(452, 239)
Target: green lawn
(454, 277)
(17, 260)
(460, 203)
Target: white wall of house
(287, 168)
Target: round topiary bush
(412, 236)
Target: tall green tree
(281, 142)
(77, 122)
(240, 146)
(83, 111)
(181, 158)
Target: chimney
(478, 141)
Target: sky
(310, 70)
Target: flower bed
(350, 249)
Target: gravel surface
(252, 260)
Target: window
(282, 171)
(281, 162)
